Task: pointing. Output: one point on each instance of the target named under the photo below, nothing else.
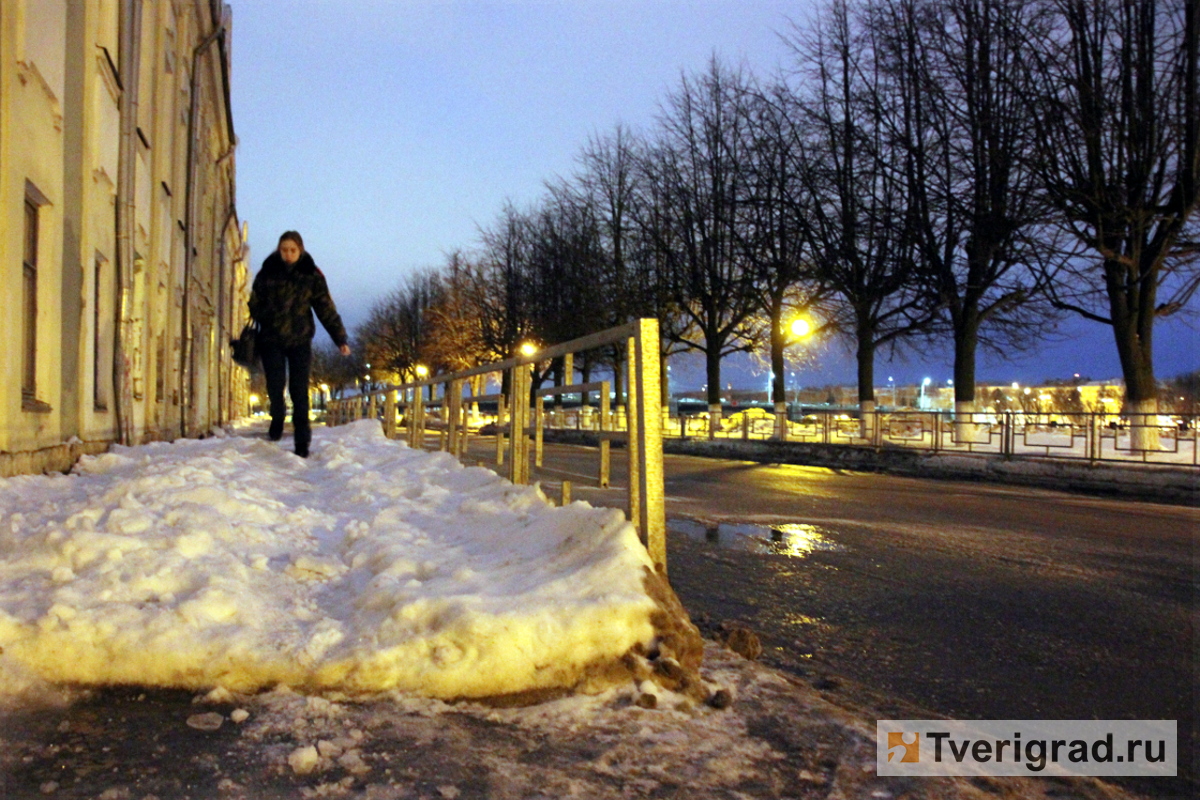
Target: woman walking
(286, 292)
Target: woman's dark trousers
(289, 364)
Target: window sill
(35, 406)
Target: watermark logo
(904, 748)
(1026, 747)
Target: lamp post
(796, 330)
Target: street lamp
(528, 349)
(798, 328)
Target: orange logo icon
(907, 746)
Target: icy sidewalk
(230, 562)
(391, 577)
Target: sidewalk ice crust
(369, 567)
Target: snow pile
(369, 567)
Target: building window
(102, 376)
(160, 368)
(29, 305)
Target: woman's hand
(344, 349)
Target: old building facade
(123, 265)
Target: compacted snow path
(230, 562)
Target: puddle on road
(796, 539)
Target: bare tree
(336, 371)
(859, 224)
(609, 184)
(564, 274)
(962, 126)
(697, 172)
(1119, 158)
(504, 312)
(774, 221)
(396, 327)
(454, 338)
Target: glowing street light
(799, 328)
(528, 348)
(422, 370)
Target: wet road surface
(968, 600)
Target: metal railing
(1147, 439)
(521, 417)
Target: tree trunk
(865, 357)
(712, 370)
(618, 384)
(1133, 333)
(779, 372)
(585, 399)
(966, 344)
(665, 399)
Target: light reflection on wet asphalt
(967, 600)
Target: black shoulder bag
(245, 347)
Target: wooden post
(646, 364)
(568, 379)
(633, 442)
(605, 445)
(453, 399)
(465, 413)
(518, 468)
(539, 419)
(500, 414)
(389, 414)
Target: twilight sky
(389, 131)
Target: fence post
(464, 429)
(418, 416)
(500, 414)
(646, 416)
(539, 419)
(605, 445)
(389, 414)
(632, 440)
(1093, 447)
(518, 467)
(452, 404)
(372, 407)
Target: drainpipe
(130, 60)
(185, 351)
(224, 311)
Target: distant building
(122, 260)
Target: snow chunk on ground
(368, 567)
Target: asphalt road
(966, 600)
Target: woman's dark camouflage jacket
(284, 297)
